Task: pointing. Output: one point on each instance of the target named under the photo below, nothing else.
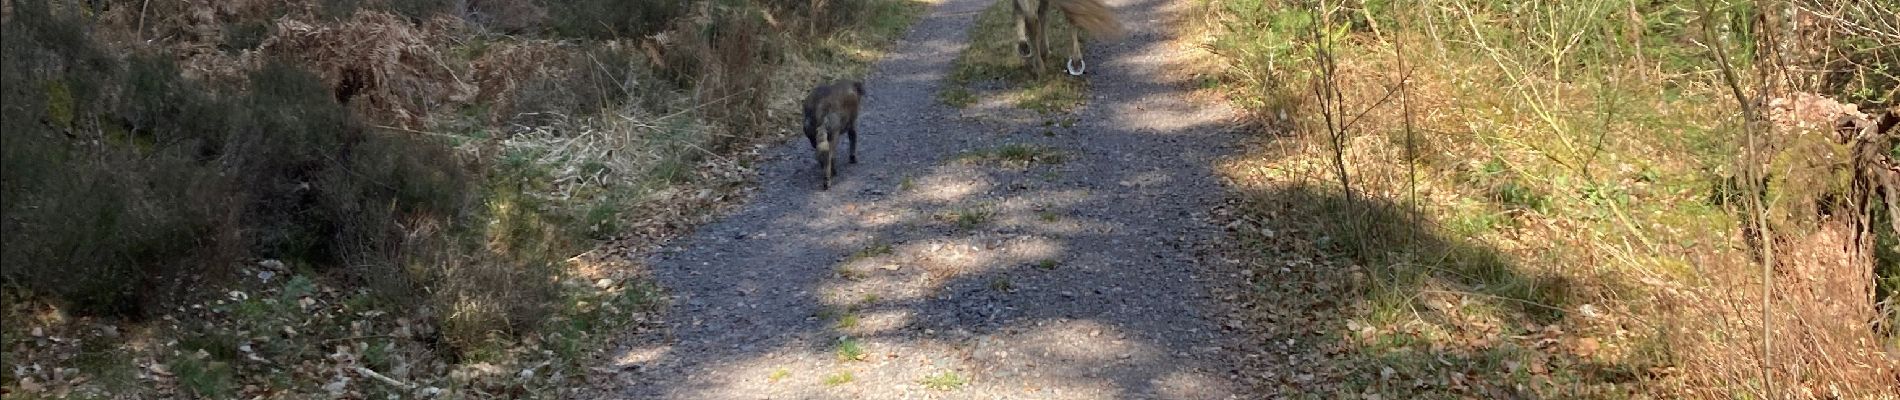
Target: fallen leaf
(1584, 347)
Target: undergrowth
(283, 220)
(1538, 199)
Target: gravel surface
(1074, 276)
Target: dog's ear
(860, 87)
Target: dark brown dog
(832, 108)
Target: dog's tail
(1090, 15)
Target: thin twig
(1411, 148)
(393, 128)
(385, 379)
(1755, 208)
(346, 339)
(1375, 105)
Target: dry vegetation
(1554, 199)
(373, 198)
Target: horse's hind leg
(1022, 29)
(1075, 56)
(1039, 32)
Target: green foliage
(1265, 40)
(205, 378)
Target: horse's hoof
(1022, 50)
(1073, 70)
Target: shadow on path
(1065, 268)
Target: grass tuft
(839, 378)
(943, 381)
(850, 349)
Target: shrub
(121, 176)
(508, 16)
(821, 17)
(613, 19)
(95, 215)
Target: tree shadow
(1073, 274)
(1376, 298)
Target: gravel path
(1075, 278)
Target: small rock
(603, 283)
(38, 333)
(336, 388)
(29, 386)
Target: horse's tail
(1091, 16)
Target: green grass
(1048, 264)
(991, 57)
(850, 349)
(1015, 155)
(943, 381)
(1002, 284)
(875, 249)
(972, 217)
(851, 274)
(957, 96)
(839, 378)
(779, 374)
(846, 321)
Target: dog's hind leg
(1039, 40)
(851, 130)
(825, 162)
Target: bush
(121, 176)
(614, 19)
(821, 17)
(95, 214)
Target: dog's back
(830, 106)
